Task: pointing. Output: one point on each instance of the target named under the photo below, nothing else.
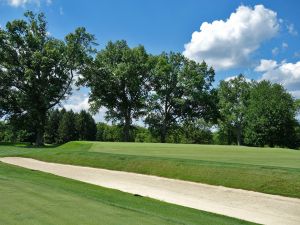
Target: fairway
(273, 171)
(267, 209)
(215, 153)
(31, 197)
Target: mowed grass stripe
(277, 157)
(31, 197)
(230, 167)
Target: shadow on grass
(28, 145)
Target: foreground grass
(31, 197)
(273, 171)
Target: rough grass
(273, 171)
(31, 197)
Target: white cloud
(228, 44)
(17, 3)
(233, 77)
(266, 65)
(79, 100)
(23, 3)
(287, 74)
(291, 29)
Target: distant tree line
(257, 114)
(61, 126)
(173, 95)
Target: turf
(31, 197)
(273, 171)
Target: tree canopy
(36, 70)
(118, 81)
(270, 116)
(233, 102)
(180, 89)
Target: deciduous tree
(233, 101)
(36, 70)
(270, 116)
(181, 90)
(118, 81)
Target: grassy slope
(30, 197)
(274, 171)
(217, 153)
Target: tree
(67, 128)
(297, 105)
(225, 134)
(142, 134)
(118, 79)
(233, 101)
(101, 128)
(181, 90)
(197, 132)
(107, 132)
(86, 126)
(36, 70)
(297, 134)
(52, 125)
(270, 116)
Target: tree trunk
(40, 128)
(39, 141)
(126, 128)
(163, 133)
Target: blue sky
(258, 38)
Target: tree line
(63, 126)
(170, 93)
(257, 114)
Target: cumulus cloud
(233, 77)
(228, 44)
(287, 74)
(266, 65)
(79, 100)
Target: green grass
(273, 171)
(31, 197)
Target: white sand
(246, 205)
